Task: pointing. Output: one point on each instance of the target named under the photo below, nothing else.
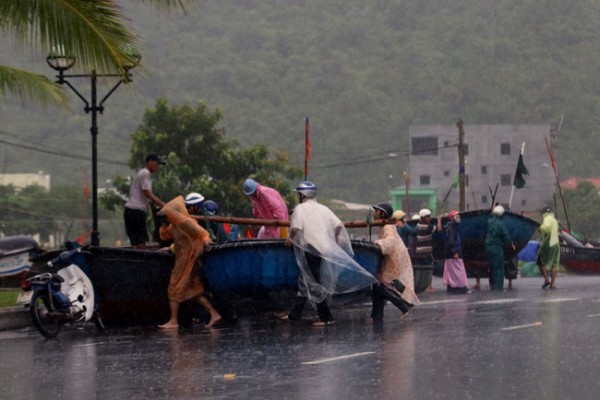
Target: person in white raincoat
(396, 279)
(323, 254)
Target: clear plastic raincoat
(315, 229)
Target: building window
(523, 202)
(484, 199)
(505, 180)
(446, 173)
(466, 180)
(424, 180)
(484, 170)
(505, 149)
(466, 149)
(425, 146)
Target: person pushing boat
(267, 203)
(324, 256)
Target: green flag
(519, 181)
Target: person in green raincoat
(549, 251)
(496, 239)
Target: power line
(386, 158)
(61, 153)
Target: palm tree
(94, 32)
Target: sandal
(545, 285)
(323, 323)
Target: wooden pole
(560, 193)
(275, 222)
(461, 164)
(407, 211)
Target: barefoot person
(396, 280)
(189, 239)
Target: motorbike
(67, 296)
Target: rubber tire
(40, 304)
(99, 324)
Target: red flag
(85, 186)
(307, 139)
(307, 148)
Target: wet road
(521, 344)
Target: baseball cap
(155, 157)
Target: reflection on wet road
(526, 343)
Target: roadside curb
(14, 318)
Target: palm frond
(171, 4)
(94, 32)
(30, 86)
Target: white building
(23, 180)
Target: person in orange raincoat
(189, 239)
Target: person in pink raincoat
(267, 203)
(455, 275)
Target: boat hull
(243, 277)
(580, 260)
(473, 230)
(15, 252)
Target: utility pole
(461, 164)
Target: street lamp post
(61, 63)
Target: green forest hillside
(363, 71)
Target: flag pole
(560, 193)
(406, 195)
(307, 148)
(512, 191)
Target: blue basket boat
(473, 230)
(245, 276)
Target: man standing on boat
(549, 251)
(323, 254)
(396, 279)
(496, 239)
(140, 196)
(267, 203)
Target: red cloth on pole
(307, 148)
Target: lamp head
(58, 60)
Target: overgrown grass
(8, 298)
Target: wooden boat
(473, 230)
(15, 252)
(577, 257)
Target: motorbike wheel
(41, 310)
(100, 328)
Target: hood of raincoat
(175, 210)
